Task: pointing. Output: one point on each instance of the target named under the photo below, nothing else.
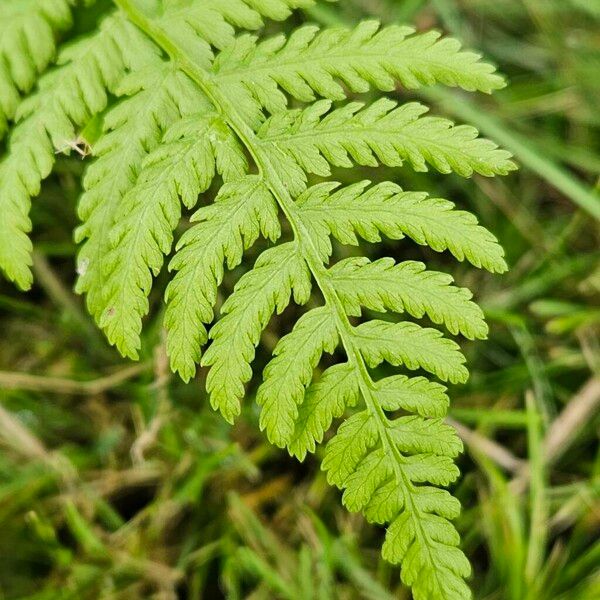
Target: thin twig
(162, 376)
(56, 290)
(107, 483)
(572, 419)
(538, 500)
(160, 574)
(64, 299)
(20, 438)
(12, 380)
(584, 501)
(494, 451)
(563, 430)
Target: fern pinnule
(175, 172)
(412, 394)
(291, 370)
(130, 131)
(202, 26)
(249, 14)
(312, 62)
(27, 47)
(407, 287)
(413, 346)
(367, 212)
(327, 398)
(313, 139)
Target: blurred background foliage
(118, 481)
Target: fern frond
(27, 46)
(259, 293)
(192, 98)
(321, 62)
(385, 208)
(383, 285)
(243, 210)
(66, 99)
(310, 140)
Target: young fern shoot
(200, 97)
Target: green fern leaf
(288, 374)
(198, 26)
(66, 98)
(378, 468)
(415, 434)
(355, 437)
(310, 140)
(312, 62)
(242, 211)
(414, 394)
(385, 208)
(199, 104)
(131, 129)
(435, 569)
(258, 294)
(412, 346)
(325, 399)
(248, 13)
(278, 10)
(176, 171)
(27, 46)
(383, 285)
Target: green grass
(122, 483)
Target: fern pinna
(199, 99)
